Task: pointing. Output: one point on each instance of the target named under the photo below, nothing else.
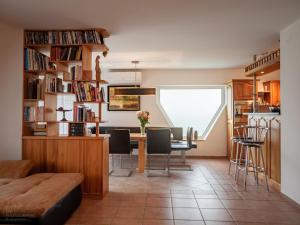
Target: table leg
(141, 157)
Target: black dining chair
(119, 144)
(158, 144)
(183, 147)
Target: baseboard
(205, 157)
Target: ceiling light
(135, 90)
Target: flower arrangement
(143, 117)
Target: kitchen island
(272, 150)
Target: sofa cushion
(32, 196)
(15, 168)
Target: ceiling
(176, 34)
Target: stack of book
(33, 113)
(35, 88)
(83, 113)
(53, 84)
(86, 92)
(39, 130)
(35, 60)
(66, 53)
(76, 129)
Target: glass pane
(191, 107)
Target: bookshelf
(59, 63)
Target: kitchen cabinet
(242, 89)
(239, 101)
(272, 92)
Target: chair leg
(230, 158)
(168, 165)
(246, 167)
(253, 165)
(239, 164)
(263, 162)
(236, 158)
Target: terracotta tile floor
(205, 196)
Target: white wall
(290, 108)
(11, 44)
(215, 144)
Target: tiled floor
(206, 195)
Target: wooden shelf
(62, 67)
(102, 31)
(65, 62)
(33, 100)
(59, 93)
(75, 122)
(44, 72)
(92, 47)
(96, 102)
(90, 81)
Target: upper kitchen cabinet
(242, 89)
(272, 92)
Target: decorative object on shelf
(195, 135)
(122, 103)
(137, 90)
(61, 109)
(97, 68)
(143, 117)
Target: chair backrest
(189, 135)
(177, 133)
(254, 133)
(158, 141)
(119, 141)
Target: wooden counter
(272, 150)
(86, 155)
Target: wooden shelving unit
(60, 70)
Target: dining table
(141, 139)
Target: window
(196, 106)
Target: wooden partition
(86, 155)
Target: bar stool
(236, 140)
(254, 144)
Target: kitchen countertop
(263, 114)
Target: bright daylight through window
(196, 106)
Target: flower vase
(142, 128)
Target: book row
(63, 37)
(36, 87)
(66, 53)
(35, 60)
(87, 92)
(33, 113)
(34, 90)
(83, 113)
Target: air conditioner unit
(127, 77)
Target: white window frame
(215, 116)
